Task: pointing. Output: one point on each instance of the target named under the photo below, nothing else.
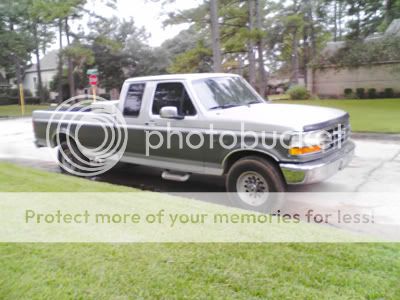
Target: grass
(186, 271)
(15, 110)
(380, 116)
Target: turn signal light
(304, 150)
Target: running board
(181, 177)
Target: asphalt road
(374, 169)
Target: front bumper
(319, 170)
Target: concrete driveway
(375, 168)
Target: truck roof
(193, 76)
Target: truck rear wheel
(70, 159)
(252, 183)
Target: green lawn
(15, 110)
(381, 115)
(187, 271)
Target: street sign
(92, 72)
(93, 79)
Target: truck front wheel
(253, 183)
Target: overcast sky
(146, 13)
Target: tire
(252, 183)
(67, 160)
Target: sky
(150, 15)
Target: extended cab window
(133, 101)
(173, 94)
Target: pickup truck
(226, 129)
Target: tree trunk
(18, 74)
(335, 29)
(17, 65)
(295, 59)
(260, 46)
(388, 12)
(60, 64)
(71, 80)
(313, 52)
(215, 35)
(252, 59)
(306, 53)
(340, 17)
(38, 68)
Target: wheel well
(234, 157)
(62, 137)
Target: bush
(388, 93)
(360, 92)
(298, 92)
(372, 94)
(32, 100)
(348, 94)
(7, 100)
(15, 93)
(105, 96)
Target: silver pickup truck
(214, 124)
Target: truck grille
(337, 136)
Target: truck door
(181, 143)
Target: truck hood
(284, 117)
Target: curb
(4, 118)
(376, 136)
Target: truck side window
(133, 101)
(173, 94)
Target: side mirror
(170, 112)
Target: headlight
(308, 143)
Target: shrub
(348, 94)
(360, 92)
(298, 92)
(105, 96)
(32, 100)
(7, 100)
(15, 93)
(388, 93)
(372, 93)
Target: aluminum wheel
(252, 188)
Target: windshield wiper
(224, 106)
(253, 102)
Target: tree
(251, 56)
(196, 60)
(215, 37)
(16, 42)
(42, 38)
(260, 46)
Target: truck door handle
(150, 123)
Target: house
(331, 81)
(48, 67)
(4, 84)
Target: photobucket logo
(91, 136)
(297, 143)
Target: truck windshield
(224, 92)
